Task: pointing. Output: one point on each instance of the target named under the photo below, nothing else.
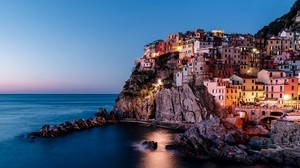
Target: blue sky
(89, 46)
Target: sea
(113, 145)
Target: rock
(214, 138)
(180, 105)
(229, 139)
(257, 143)
(289, 21)
(102, 113)
(68, 127)
(142, 99)
(283, 156)
(285, 133)
(151, 145)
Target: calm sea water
(114, 145)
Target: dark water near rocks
(114, 145)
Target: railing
(259, 107)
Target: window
(280, 95)
(252, 81)
(263, 113)
(292, 87)
(271, 75)
(252, 87)
(244, 81)
(292, 80)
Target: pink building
(217, 88)
(275, 81)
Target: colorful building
(217, 88)
(233, 95)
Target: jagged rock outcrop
(214, 138)
(143, 99)
(289, 21)
(51, 131)
(220, 140)
(137, 99)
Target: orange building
(233, 95)
(290, 91)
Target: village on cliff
(254, 76)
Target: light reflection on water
(159, 157)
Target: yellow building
(251, 91)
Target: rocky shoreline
(101, 118)
(220, 140)
(214, 138)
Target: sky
(89, 46)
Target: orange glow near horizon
(47, 87)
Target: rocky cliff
(289, 21)
(142, 97)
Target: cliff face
(289, 21)
(189, 103)
(143, 99)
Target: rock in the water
(102, 113)
(151, 145)
(71, 126)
